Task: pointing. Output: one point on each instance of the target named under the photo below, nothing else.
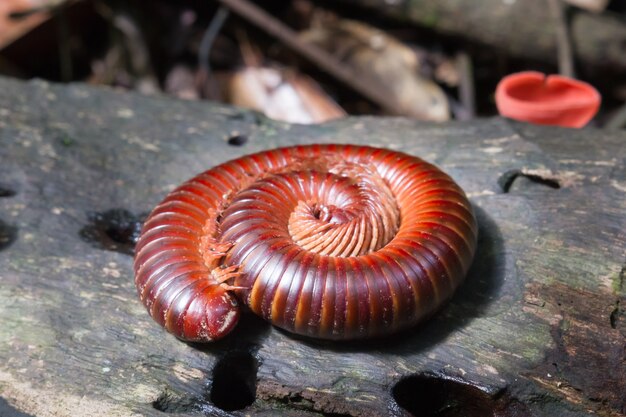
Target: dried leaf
(13, 25)
(595, 6)
(382, 58)
(292, 98)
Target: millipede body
(327, 241)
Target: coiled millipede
(327, 241)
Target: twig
(206, 82)
(138, 54)
(563, 38)
(65, 52)
(369, 89)
(135, 44)
(209, 37)
(466, 85)
(250, 55)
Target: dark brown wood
(522, 28)
(538, 327)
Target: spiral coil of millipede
(327, 241)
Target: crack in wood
(510, 179)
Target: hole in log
(515, 179)
(116, 230)
(169, 403)
(6, 191)
(615, 315)
(237, 140)
(234, 381)
(430, 396)
(176, 403)
(7, 409)
(8, 234)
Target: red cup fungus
(547, 100)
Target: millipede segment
(327, 241)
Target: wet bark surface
(538, 327)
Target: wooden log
(537, 329)
(521, 28)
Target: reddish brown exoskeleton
(327, 241)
